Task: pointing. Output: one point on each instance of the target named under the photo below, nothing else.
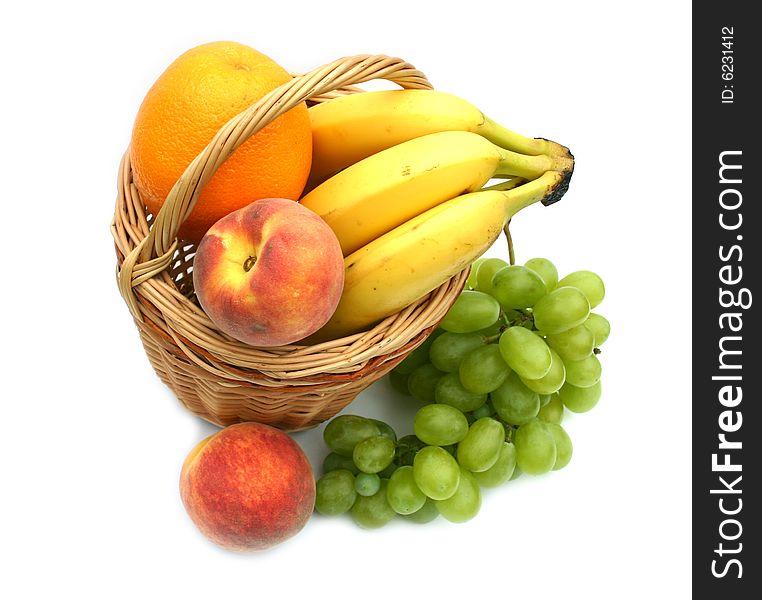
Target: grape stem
(489, 339)
(493, 338)
(509, 239)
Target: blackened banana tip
(561, 188)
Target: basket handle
(154, 253)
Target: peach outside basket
(214, 376)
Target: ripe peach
(270, 273)
(248, 487)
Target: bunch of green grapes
(517, 348)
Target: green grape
(471, 311)
(436, 472)
(465, 503)
(407, 447)
(515, 286)
(485, 410)
(600, 328)
(335, 492)
(451, 448)
(573, 344)
(367, 484)
(398, 381)
(546, 270)
(535, 448)
(590, 284)
(426, 514)
(502, 470)
(471, 281)
(560, 310)
(517, 348)
(480, 449)
(344, 432)
(579, 400)
(334, 462)
(525, 352)
(373, 511)
(483, 369)
(440, 425)
(493, 330)
(404, 496)
(423, 382)
(419, 356)
(553, 380)
(514, 402)
(583, 373)
(388, 471)
(385, 429)
(487, 269)
(449, 391)
(448, 350)
(553, 411)
(563, 443)
(373, 454)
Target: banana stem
(510, 140)
(514, 164)
(508, 184)
(548, 188)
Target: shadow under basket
(214, 376)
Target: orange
(197, 94)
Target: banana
(380, 192)
(352, 127)
(411, 260)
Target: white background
(92, 442)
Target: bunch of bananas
(401, 176)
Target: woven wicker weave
(220, 379)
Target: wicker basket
(214, 376)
